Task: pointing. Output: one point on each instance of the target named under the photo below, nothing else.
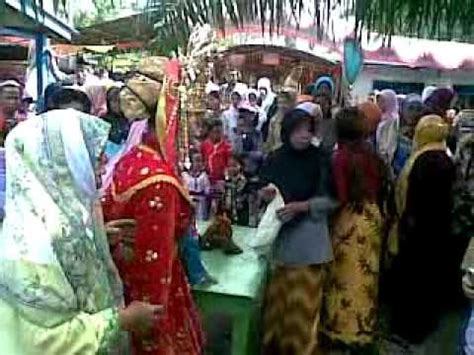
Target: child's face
(213, 102)
(215, 134)
(198, 162)
(253, 99)
(241, 124)
(234, 168)
(236, 100)
(301, 136)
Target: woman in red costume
(145, 188)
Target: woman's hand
(121, 231)
(138, 317)
(291, 210)
(268, 193)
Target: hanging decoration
(353, 60)
(196, 73)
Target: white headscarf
(241, 89)
(314, 110)
(212, 87)
(265, 83)
(427, 91)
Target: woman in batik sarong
(59, 291)
(302, 250)
(350, 316)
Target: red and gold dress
(146, 189)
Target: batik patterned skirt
(292, 310)
(350, 302)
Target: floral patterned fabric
(352, 293)
(56, 273)
(146, 189)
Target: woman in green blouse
(59, 290)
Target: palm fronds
(437, 19)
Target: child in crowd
(199, 187)
(247, 142)
(216, 152)
(235, 192)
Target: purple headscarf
(390, 109)
(440, 100)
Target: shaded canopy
(134, 28)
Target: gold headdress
(146, 85)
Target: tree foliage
(438, 19)
(103, 10)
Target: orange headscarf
(373, 115)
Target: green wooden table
(239, 290)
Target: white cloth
(199, 188)
(262, 115)
(269, 226)
(229, 121)
(314, 110)
(241, 89)
(212, 87)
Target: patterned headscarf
(60, 260)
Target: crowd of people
(378, 213)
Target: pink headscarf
(98, 96)
(135, 135)
(390, 111)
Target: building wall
(364, 84)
